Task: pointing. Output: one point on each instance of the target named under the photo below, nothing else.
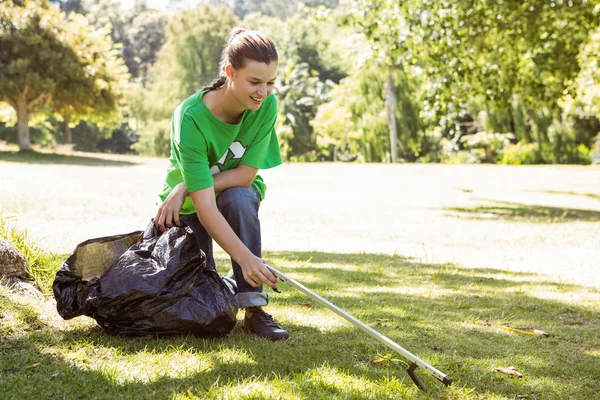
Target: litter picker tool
(416, 361)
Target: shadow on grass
(33, 157)
(590, 195)
(503, 210)
(445, 314)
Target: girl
(220, 137)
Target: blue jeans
(239, 206)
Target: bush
(562, 146)
(520, 154)
(120, 142)
(42, 134)
(43, 265)
(489, 145)
(156, 143)
(473, 156)
(87, 135)
(309, 156)
(8, 134)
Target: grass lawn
(446, 314)
(437, 258)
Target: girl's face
(252, 83)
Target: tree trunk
(68, 133)
(23, 125)
(390, 105)
(512, 121)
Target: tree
(140, 31)
(496, 50)
(190, 56)
(354, 125)
(95, 91)
(185, 63)
(145, 36)
(309, 65)
(48, 62)
(587, 84)
(69, 6)
(299, 94)
(281, 9)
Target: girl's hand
(167, 215)
(256, 273)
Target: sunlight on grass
(445, 314)
(593, 352)
(335, 381)
(149, 365)
(324, 320)
(247, 389)
(426, 291)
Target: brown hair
(244, 45)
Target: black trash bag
(146, 283)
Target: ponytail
(216, 84)
(234, 32)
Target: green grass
(35, 157)
(447, 315)
(43, 265)
(526, 213)
(590, 195)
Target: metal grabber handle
(416, 361)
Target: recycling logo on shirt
(236, 151)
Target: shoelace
(266, 318)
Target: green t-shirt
(202, 146)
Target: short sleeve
(263, 152)
(191, 154)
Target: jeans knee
(238, 201)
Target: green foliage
(447, 314)
(587, 96)
(32, 51)
(488, 146)
(300, 93)
(96, 92)
(42, 264)
(187, 61)
(69, 6)
(139, 31)
(493, 49)
(48, 62)
(520, 154)
(510, 64)
(354, 124)
(87, 135)
(155, 141)
(120, 142)
(281, 9)
(8, 133)
(44, 134)
(562, 147)
(191, 54)
(308, 68)
(146, 36)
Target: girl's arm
(254, 269)
(240, 176)
(168, 212)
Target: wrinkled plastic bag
(145, 283)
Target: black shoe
(262, 324)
